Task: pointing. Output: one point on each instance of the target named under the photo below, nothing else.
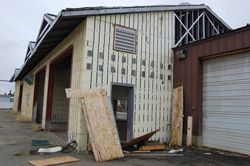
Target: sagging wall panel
(151, 65)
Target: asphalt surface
(15, 143)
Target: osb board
(53, 161)
(100, 123)
(177, 117)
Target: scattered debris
(100, 122)
(27, 153)
(174, 151)
(141, 151)
(124, 151)
(177, 117)
(152, 155)
(207, 153)
(140, 140)
(70, 147)
(53, 161)
(50, 150)
(152, 147)
(23, 119)
(40, 142)
(36, 127)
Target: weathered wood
(189, 131)
(53, 161)
(141, 151)
(140, 140)
(100, 123)
(177, 117)
(152, 155)
(152, 147)
(78, 93)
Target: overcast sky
(20, 22)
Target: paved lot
(16, 137)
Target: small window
(125, 39)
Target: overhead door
(226, 103)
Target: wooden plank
(100, 123)
(189, 130)
(152, 155)
(152, 147)
(177, 117)
(53, 161)
(140, 140)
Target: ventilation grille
(125, 39)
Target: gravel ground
(15, 138)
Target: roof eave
(122, 10)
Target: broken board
(100, 123)
(177, 117)
(140, 140)
(53, 161)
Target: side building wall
(154, 57)
(16, 95)
(75, 39)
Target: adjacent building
(125, 50)
(215, 75)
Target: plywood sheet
(100, 123)
(177, 117)
(53, 161)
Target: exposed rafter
(194, 25)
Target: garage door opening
(226, 106)
(122, 100)
(58, 104)
(20, 99)
(37, 112)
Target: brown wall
(188, 71)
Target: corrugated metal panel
(152, 99)
(226, 107)
(191, 67)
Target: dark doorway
(20, 98)
(58, 104)
(37, 113)
(122, 100)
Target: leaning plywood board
(177, 117)
(100, 123)
(53, 161)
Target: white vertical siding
(152, 100)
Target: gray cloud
(21, 20)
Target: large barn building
(125, 50)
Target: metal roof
(69, 18)
(14, 75)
